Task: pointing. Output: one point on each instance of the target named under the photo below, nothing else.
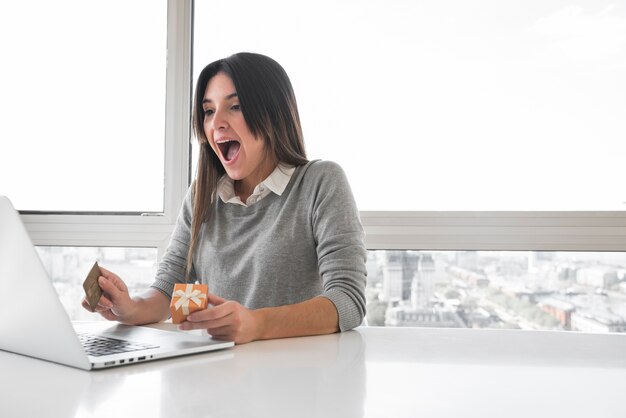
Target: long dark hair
(269, 107)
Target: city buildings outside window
(556, 291)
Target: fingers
(110, 288)
(103, 304)
(112, 278)
(109, 315)
(227, 320)
(115, 294)
(206, 317)
(215, 300)
(209, 326)
(113, 288)
(86, 305)
(213, 313)
(106, 273)
(211, 318)
(224, 333)
(103, 308)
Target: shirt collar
(277, 182)
(279, 179)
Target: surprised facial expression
(241, 153)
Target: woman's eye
(208, 112)
(236, 107)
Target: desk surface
(368, 372)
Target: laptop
(34, 323)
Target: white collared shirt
(276, 182)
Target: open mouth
(229, 148)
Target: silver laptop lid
(33, 321)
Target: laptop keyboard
(97, 345)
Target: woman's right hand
(115, 303)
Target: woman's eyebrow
(230, 96)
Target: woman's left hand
(226, 319)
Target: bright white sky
(83, 104)
(449, 105)
(427, 105)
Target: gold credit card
(92, 288)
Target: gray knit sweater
(282, 250)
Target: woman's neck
(245, 187)
(243, 191)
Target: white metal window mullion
(514, 231)
(178, 108)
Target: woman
(276, 238)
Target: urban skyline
(497, 289)
(466, 289)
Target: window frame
(495, 230)
(385, 230)
(140, 229)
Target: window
(478, 126)
(68, 267)
(449, 105)
(84, 105)
(461, 125)
(110, 169)
(497, 121)
(100, 170)
(570, 291)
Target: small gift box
(188, 298)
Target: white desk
(369, 372)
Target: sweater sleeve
(171, 269)
(339, 242)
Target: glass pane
(449, 105)
(68, 267)
(83, 104)
(498, 289)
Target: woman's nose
(219, 120)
